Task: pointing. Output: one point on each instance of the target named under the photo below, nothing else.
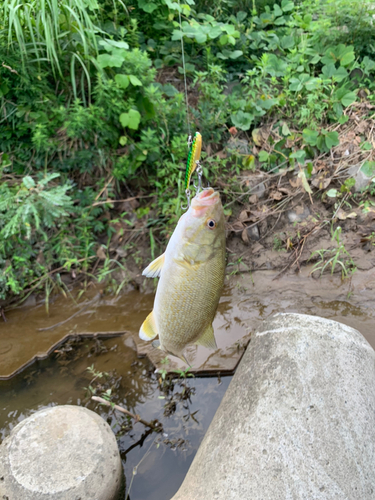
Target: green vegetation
(92, 110)
(332, 257)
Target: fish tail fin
(148, 330)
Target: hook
(187, 192)
(199, 172)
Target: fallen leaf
(221, 154)
(276, 195)
(295, 182)
(285, 191)
(243, 215)
(245, 236)
(321, 182)
(237, 226)
(101, 254)
(253, 199)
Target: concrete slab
(297, 421)
(61, 453)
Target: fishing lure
(193, 158)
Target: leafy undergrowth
(93, 125)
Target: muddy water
(62, 376)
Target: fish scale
(191, 275)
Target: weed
(338, 256)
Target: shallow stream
(155, 464)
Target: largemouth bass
(191, 272)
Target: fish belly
(186, 301)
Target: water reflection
(62, 379)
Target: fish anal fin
(148, 330)
(207, 339)
(153, 270)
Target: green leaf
(287, 5)
(242, 120)
(122, 81)
(287, 41)
(343, 119)
(305, 184)
(147, 6)
(310, 136)
(28, 182)
(285, 130)
(366, 146)
(113, 60)
(368, 168)
(299, 155)
(332, 139)
(223, 40)
(123, 140)
(332, 193)
(348, 99)
(200, 37)
(130, 119)
(215, 32)
(263, 156)
(111, 45)
(135, 81)
(235, 54)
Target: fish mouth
(205, 198)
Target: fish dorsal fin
(148, 330)
(207, 339)
(153, 270)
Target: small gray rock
(259, 189)
(240, 146)
(253, 233)
(361, 180)
(298, 214)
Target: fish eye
(211, 224)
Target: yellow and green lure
(193, 158)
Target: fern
(33, 207)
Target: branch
(155, 426)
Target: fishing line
(184, 70)
(194, 144)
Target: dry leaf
(253, 199)
(245, 236)
(285, 191)
(101, 254)
(295, 182)
(243, 215)
(321, 182)
(221, 154)
(237, 226)
(276, 195)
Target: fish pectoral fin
(153, 270)
(207, 339)
(148, 330)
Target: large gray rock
(61, 453)
(297, 421)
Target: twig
(97, 296)
(156, 426)
(121, 201)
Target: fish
(191, 272)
